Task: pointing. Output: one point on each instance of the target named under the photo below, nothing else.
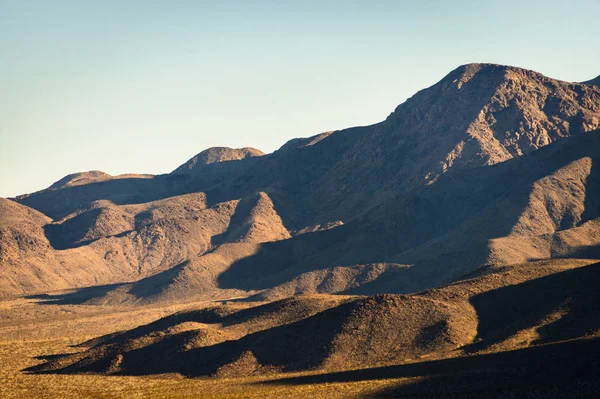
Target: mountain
(93, 176)
(215, 155)
(30, 264)
(593, 82)
(453, 248)
(497, 309)
(493, 165)
(537, 206)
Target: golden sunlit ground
(30, 330)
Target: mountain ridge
(478, 116)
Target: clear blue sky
(141, 86)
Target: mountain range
(491, 165)
(469, 218)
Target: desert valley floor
(40, 328)
(26, 338)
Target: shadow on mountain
(571, 295)
(426, 273)
(565, 369)
(128, 292)
(76, 297)
(288, 170)
(305, 333)
(47, 358)
(270, 313)
(205, 316)
(586, 252)
(291, 174)
(291, 347)
(437, 225)
(72, 232)
(58, 203)
(150, 286)
(239, 222)
(69, 233)
(592, 183)
(62, 202)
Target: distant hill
(217, 155)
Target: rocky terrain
(496, 309)
(462, 177)
(593, 82)
(466, 223)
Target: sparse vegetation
(456, 240)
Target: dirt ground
(31, 331)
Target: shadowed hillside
(501, 309)
(224, 156)
(562, 370)
(491, 165)
(593, 82)
(452, 249)
(535, 207)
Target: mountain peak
(214, 155)
(92, 176)
(305, 141)
(466, 72)
(79, 178)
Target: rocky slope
(130, 241)
(537, 206)
(215, 155)
(593, 82)
(497, 309)
(491, 165)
